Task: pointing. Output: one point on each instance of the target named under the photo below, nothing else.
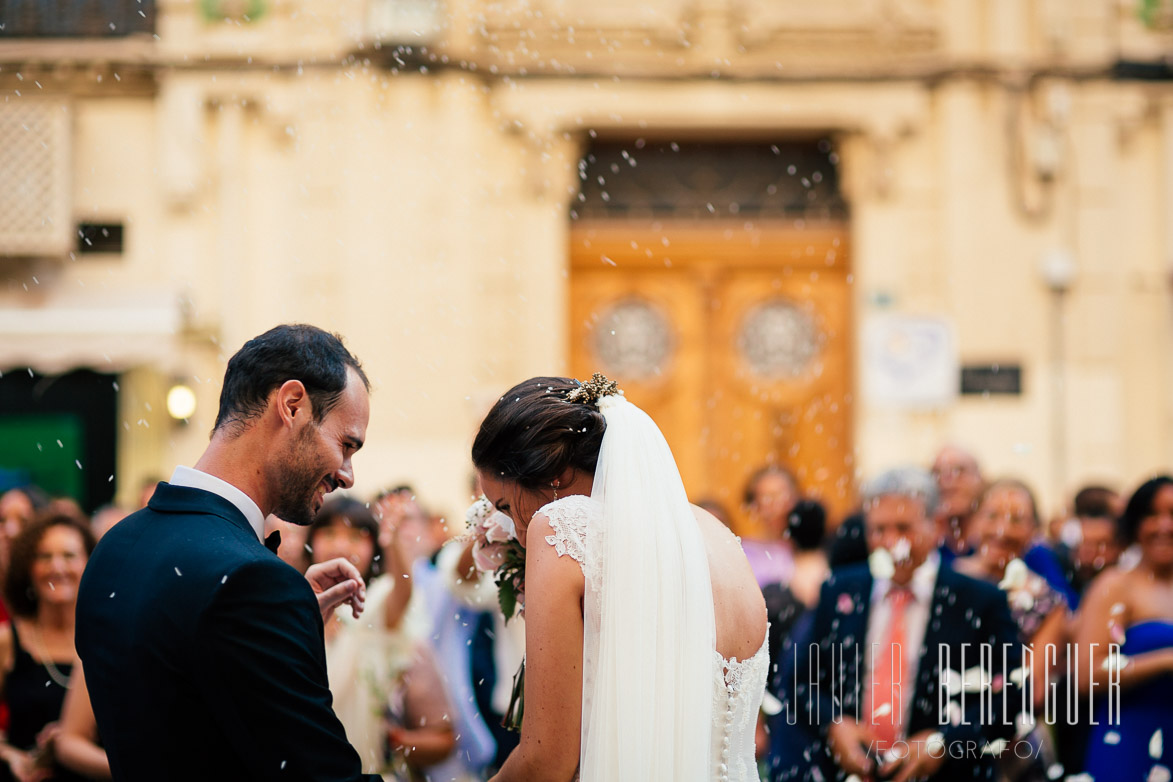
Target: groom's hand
(337, 582)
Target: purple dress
(771, 561)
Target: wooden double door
(737, 343)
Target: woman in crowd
(385, 684)
(1134, 609)
(770, 495)
(37, 653)
(1004, 526)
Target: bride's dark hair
(533, 434)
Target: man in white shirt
(203, 651)
(880, 634)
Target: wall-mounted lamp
(181, 402)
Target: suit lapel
(183, 499)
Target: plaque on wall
(986, 379)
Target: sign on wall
(909, 362)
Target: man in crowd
(959, 486)
(203, 651)
(880, 635)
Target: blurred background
(832, 235)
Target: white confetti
(224, 580)
(1015, 575)
(1157, 745)
(177, 572)
(975, 679)
(111, 594)
(1111, 737)
(1023, 600)
(951, 682)
(883, 711)
(1117, 663)
(1158, 773)
(1054, 771)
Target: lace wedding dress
(737, 686)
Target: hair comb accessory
(591, 391)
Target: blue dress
(1144, 710)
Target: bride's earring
(555, 486)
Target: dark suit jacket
(203, 651)
(963, 611)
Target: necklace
(51, 668)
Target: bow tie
(273, 541)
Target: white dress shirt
(196, 479)
(916, 619)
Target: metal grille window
(75, 18)
(700, 181)
(34, 170)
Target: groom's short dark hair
(289, 352)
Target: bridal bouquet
(496, 550)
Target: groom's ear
(292, 405)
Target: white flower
(499, 528)
(881, 564)
(1156, 745)
(1015, 575)
(478, 512)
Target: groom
(203, 651)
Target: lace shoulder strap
(570, 517)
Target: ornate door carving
(737, 342)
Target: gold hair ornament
(591, 391)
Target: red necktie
(887, 693)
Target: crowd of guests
(934, 558)
(946, 559)
(420, 681)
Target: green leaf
(507, 599)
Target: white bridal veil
(648, 655)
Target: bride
(645, 628)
